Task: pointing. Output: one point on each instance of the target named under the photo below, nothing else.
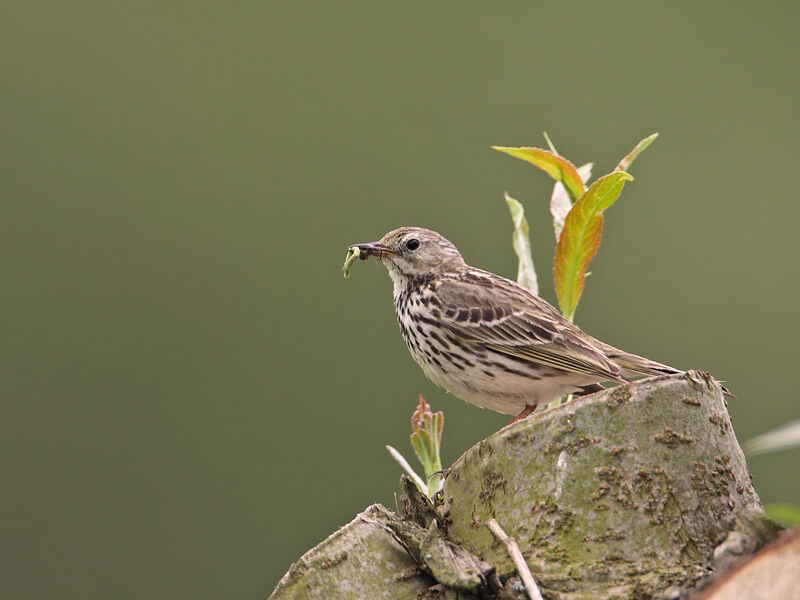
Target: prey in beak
(364, 251)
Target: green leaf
(787, 515)
(580, 239)
(558, 167)
(526, 272)
(637, 150)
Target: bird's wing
(503, 317)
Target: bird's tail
(632, 366)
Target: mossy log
(622, 494)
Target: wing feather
(509, 320)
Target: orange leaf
(558, 167)
(580, 239)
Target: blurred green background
(192, 395)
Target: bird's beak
(372, 249)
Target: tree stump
(624, 493)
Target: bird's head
(413, 251)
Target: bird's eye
(412, 244)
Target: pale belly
(494, 382)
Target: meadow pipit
(487, 339)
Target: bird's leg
(529, 408)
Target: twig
(421, 485)
(516, 556)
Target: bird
(486, 339)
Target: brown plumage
(487, 339)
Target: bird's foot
(528, 410)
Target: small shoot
(352, 255)
(521, 240)
(426, 439)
